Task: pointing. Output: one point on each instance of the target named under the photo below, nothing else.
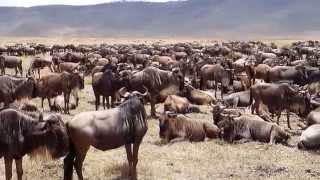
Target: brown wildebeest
(218, 74)
(21, 134)
(104, 130)
(252, 127)
(310, 138)
(175, 128)
(69, 67)
(257, 72)
(279, 97)
(12, 88)
(296, 74)
(55, 84)
(10, 62)
(39, 63)
(179, 104)
(160, 83)
(197, 96)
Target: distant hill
(196, 18)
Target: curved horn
(140, 94)
(123, 92)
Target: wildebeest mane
(133, 114)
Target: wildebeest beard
(133, 113)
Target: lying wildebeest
(110, 129)
(296, 74)
(21, 134)
(310, 138)
(279, 97)
(196, 96)
(179, 104)
(220, 113)
(218, 74)
(313, 118)
(55, 84)
(37, 64)
(24, 105)
(158, 82)
(175, 127)
(10, 62)
(238, 99)
(12, 88)
(252, 127)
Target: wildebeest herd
(266, 78)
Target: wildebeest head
(303, 74)
(178, 77)
(53, 130)
(134, 95)
(226, 128)
(78, 78)
(27, 88)
(164, 121)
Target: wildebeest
(21, 134)
(196, 96)
(11, 62)
(104, 130)
(158, 82)
(58, 103)
(257, 72)
(55, 84)
(218, 74)
(310, 138)
(278, 97)
(313, 118)
(179, 104)
(298, 74)
(69, 67)
(12, 88)
(241, 99)
(251, 127)
(175, 127)
(38, 63)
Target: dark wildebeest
(279, 97)
(310, 138)
(39, 63)
(218, 74)
(175, 128)
(69, 67)
(21, 134)
(179, 104)
(158, 82)
(55, 84)
(252, 127)
(297, 74)
(10, 62)
(12, 89)
(257, 72)
(104, 130)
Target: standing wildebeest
(104, 130)
(10, 62)
(257, 72)
(38, 63)
(278, 97)
(55, 84)
(251, 127)
(21, 134)
(298, 74)
(12, 88)
(158, 82)
(218, 74)
(175, 128)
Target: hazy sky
(28, 3)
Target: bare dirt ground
(212, 159)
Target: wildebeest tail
(69, 162)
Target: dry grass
(212, 159)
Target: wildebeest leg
(42, 99)
(129, 157)
(153, 104)
(288, 119)
(81, 155)
(50, 105)
(17, 71)
(112, 101)
(235, 102)
(273, 134)
(135, 159)
(8, 167)
(39, 72)
(97, 102)
(19, 168)
(66, 102)
(215, 89)
(278, 116)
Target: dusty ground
(212, 159)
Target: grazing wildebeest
(158, 82)
(251, 127)
(21, 134)
(104, 130)
(297, 74)
(278, 97)
(37, 64)
(179, 104)
(310, 138)
(175, 128)
(12, 88)
(10, 62)
(218, 74)
(55, 84)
